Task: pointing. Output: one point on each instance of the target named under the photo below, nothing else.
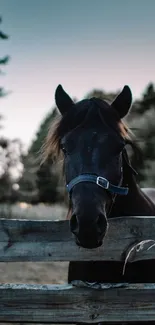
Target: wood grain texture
(53, 304)
(25, 240)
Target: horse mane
(51, 145)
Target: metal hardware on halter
(98, 180)
(106, 186)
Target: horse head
(92, 138)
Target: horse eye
(64, 150)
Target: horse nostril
(74, 226)
(101, 223)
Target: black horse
(99, 178)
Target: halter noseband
(100, 181)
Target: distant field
(40, 211)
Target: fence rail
(67, 304)
(25, 240)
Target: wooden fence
(24, 240)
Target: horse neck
(135, 203)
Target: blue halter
(100, 181)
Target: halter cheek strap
(100, 181)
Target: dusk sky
(82, 44)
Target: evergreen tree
(142, 122)
(40, 181)
(42, 132)
(3, 60)
(5, 181)
(99, 93)
(10, 169)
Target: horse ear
(62, 99)
(123, 102)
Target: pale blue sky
(83, 44)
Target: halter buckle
(102, 182)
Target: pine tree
(3, 60)
(142, 122)
(41, 181)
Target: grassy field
(40, 211)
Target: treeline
(44, 183)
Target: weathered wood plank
(25, 240)
(67, 304)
